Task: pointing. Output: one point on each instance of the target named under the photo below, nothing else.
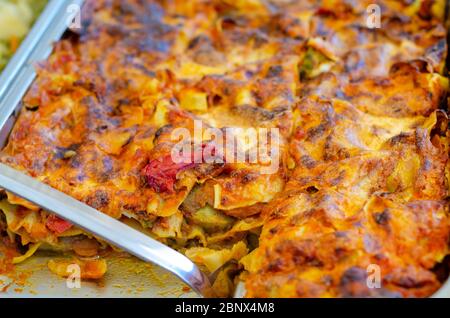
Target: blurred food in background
(16, 19)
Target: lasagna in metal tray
(358, 102)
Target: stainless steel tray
(127, 276)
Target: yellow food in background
(16, 19)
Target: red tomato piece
(161, 174)
(57, 225)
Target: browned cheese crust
(363, 172)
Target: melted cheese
(361, 177)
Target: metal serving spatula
(105, 227)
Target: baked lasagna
(355, 89)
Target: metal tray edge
(37, 46)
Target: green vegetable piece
(311, 61)
(212, 220)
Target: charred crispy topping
(362, 173)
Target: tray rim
(19, 74)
